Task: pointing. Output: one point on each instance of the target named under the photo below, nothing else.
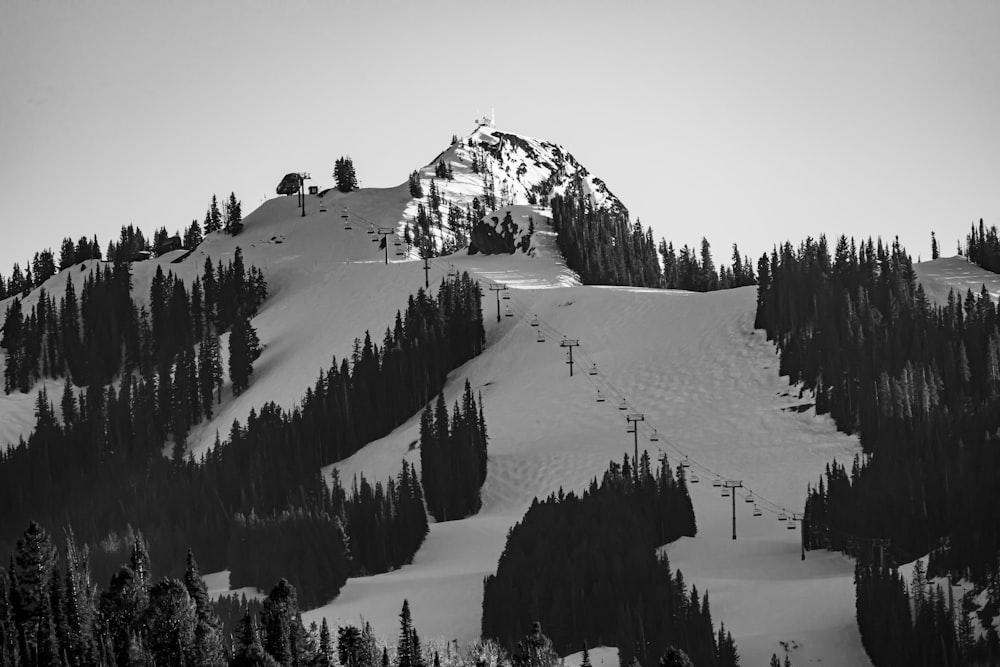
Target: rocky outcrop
(491, 236)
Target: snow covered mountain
(691, 363)
(503, 173)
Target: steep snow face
(499, 170)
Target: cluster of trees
(103, 334)
(586, 567)
(51, 612)
(309, 544)
(443, 216)
(602, 246)
(131, 242)
(344, 174)
(413, 181)
(923, 627)
(982, 247)
(230, 221)
(443, 170)
(683, 270)
(453, 457)
(919, 383)
(43, 266)
(101, 470)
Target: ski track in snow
(692, 363)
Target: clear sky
(747, 122)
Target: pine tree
(34, 561)
(405, 655)
(248, 651)
(344, 174)
(674, 657)
(234, 216)
(192, 236)
(416, 189)
(242, 352)
(213, 218)
(935, 253)
(208, 647)
(171, 622)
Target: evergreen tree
(416, 189)
(192, 236)
(171, 622)
(242, 352)
(233, 224)
(213, 218)
(407, 655)
(344, 174)
(935, 253)
(208, 647)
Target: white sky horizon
(744, 123)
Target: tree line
(601, 245)
(982, 247)
(130, 244)
(104, 334)
(453, 457)
(604, 249)
(918, 382)
(587, 568)
(102, 471)
(684, 269)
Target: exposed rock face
(491, 236)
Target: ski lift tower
(633, 428)
(303, 177)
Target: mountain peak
(489, 170)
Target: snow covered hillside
(941, 275)
(691, 363)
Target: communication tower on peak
(488, 121)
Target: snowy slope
(690, 362)
(694, 366)
(946, 273)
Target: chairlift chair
(749, 497)
(716, 482)
(725, 492)
(322, 209)
(757, 511)
(593, 370)
(451, 271)
(655, 437)
(509, 312)
(506, 294)
(347, 220)
(694, 478)
(791, 524)
(541, 338)
(782, 517)
(685, 463)
(371, 230)
(400, 253)
(534, 320)
(623, 405)
(600, 396)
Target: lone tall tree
(344, 174)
